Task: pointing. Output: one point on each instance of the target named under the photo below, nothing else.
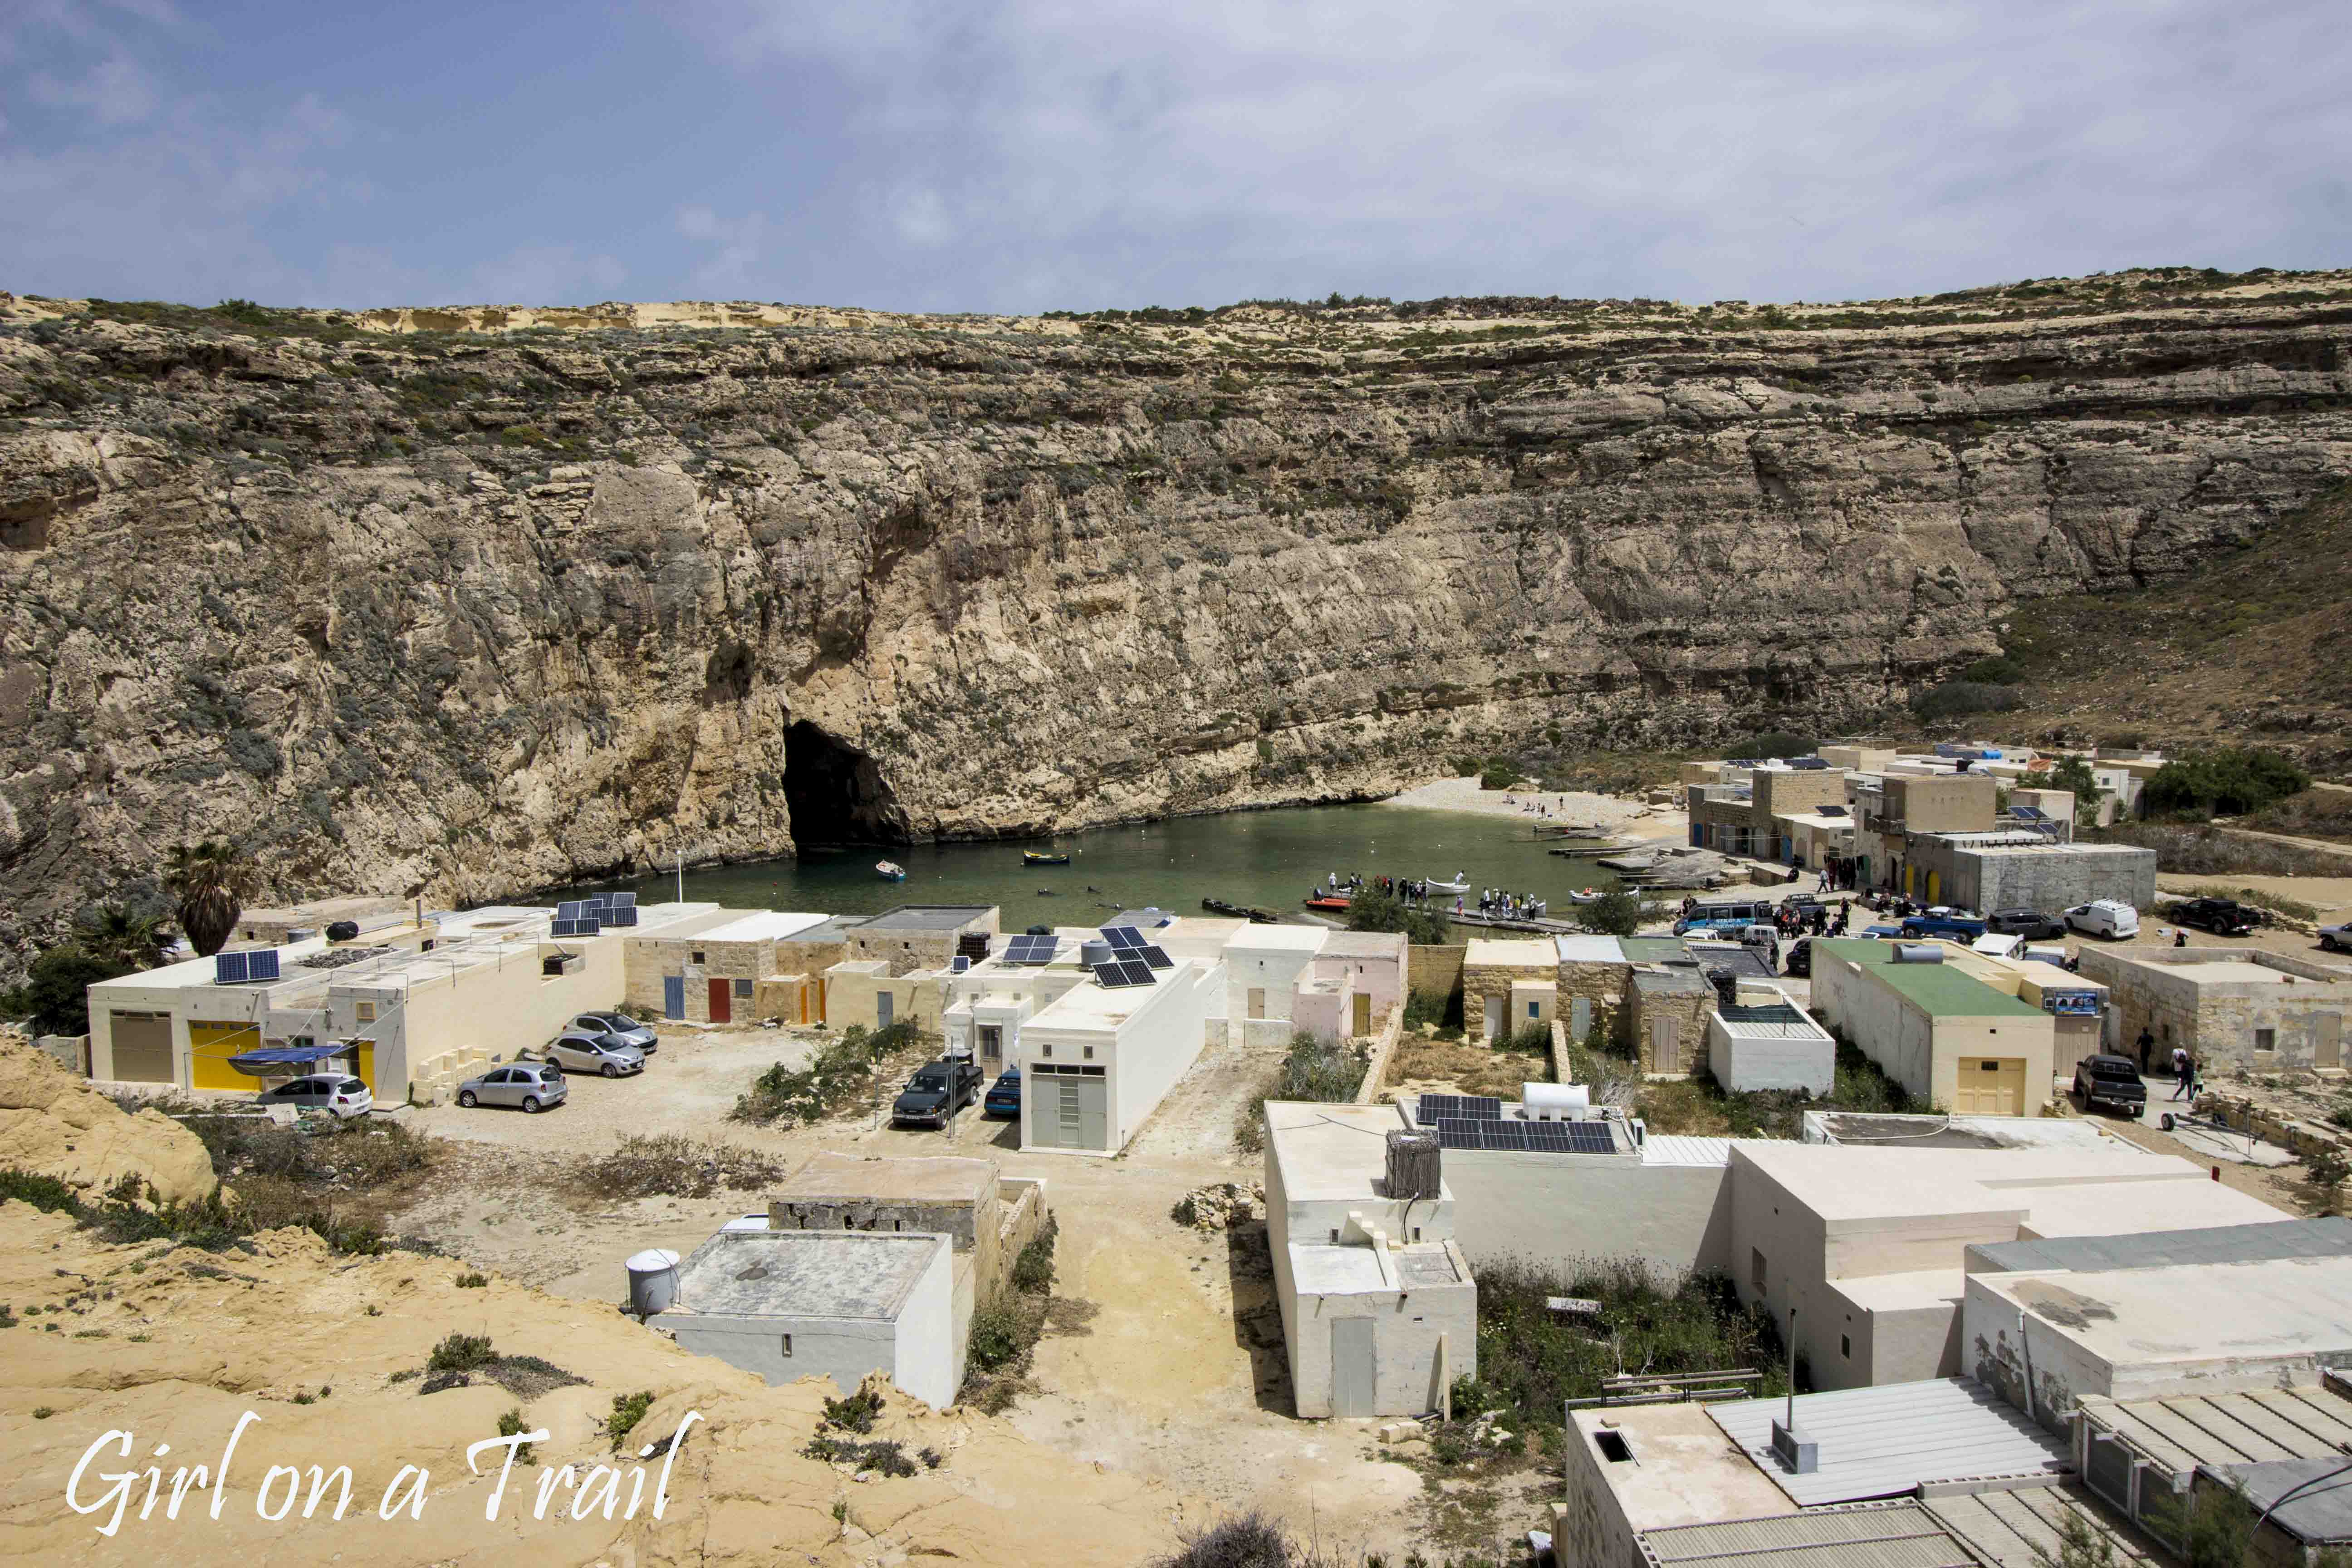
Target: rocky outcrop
(52, 1123)
(465, 602)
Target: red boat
(1330, 903)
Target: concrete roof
(1092, 1005)
(1941, 1131)
(1846, 1184)
(2251, 1424)
(2328, 1237)
(926, 917)
(767, 925)
(1326, 1152)
(2058, 1209)
(901, 1178)
(1500, 951)
(1901, 1292)
(833, 930)
(1280, 939)
(1680, 1149)
(1683, 1469)
(1653, 948)
(1902, 1535)
(1363, 944)
(1884, 1441)
(1680, 981)
(2229, 971)
(1940, 990)
(1589, 950)
(804, 1273)
(2323, 1513)
(1318, 1269)
(2022, 1527)
(2149, 1317)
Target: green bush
(842, 1071)
(461, 1352)
(1954, 699)
(1999, 670)
(629, 1409)
(1313, 1070)
(1371, 910)
(1499, 775)
(1772, 743)
(2227, 782)
(997, 1340)
(1033, 1271)
(512, 1424)
(1617, 913)
(55, 996)
(856, 1412)
(1440, 1009)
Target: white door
(882, 1002)
(1353, 1387)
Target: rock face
(52, 1123)
(464, 603)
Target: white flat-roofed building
(1095, 1059)
(1762, 1040)
(1264, 967)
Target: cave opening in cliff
(835, 793)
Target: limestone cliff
(466, 602)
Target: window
(1535, 1009)
(742, 991)
(1845, 1346)
(1755, 1268)
(698, 956)
(2265, 1039)
(367, 1012)
(1046, 1050)
(1089, 1052)
(788, 1347)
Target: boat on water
(1585, 896)
(1330, 903)
(1461, 884)
(890, 870)
(1037, 857)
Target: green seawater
(1256, 858)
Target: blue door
(672, 995)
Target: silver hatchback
(532, 1086)
(574, 1050)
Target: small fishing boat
(1461, 884)
(1330, 903)
(890, 870)
(1585, 896)
(1037, 857)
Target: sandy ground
(1173, 1369)
(2331, 896)
(1464, 794)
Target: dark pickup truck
(2222, 917)
(2110, 1080)
(936, 1092)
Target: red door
(722, 1001)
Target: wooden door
(1257, 1002)
(1665, 1045)
(1363, 1021)
(672, 995)
(1989, 1085)
(2328, 1040)
(143, 1048)
(722, 1001)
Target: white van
(2104, 917)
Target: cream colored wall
(492, 1011)
(2035, 1039)
(851, 986)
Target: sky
(1020, 155)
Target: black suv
(2031, 924)
(2222, 917)
(2113, 1079)
(936, 1092)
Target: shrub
(473, 1280)
(1249, 1541)
(886, 1456)
(996, 1338)
(1314, 1070)
(512, 1424)
(629, 1409)
(841, 1071)
(671, 1164)
(1499, 775)
(1772, 743)
(55, 996)
(855, 1412)
(1999, 670)
(46, 1193)
(1617, 913)
(459, 1353)
(1033, 1271)
(2327, 1167)
(1955, 698)
(1371, 910)
(2227, 782)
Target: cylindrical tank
(1554, 1101)
(1093, 953)
(1918, 953)
(653, 1281)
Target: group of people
(2184, 1067)
(1510, 906)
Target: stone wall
(1437, 969)
(1479, 978)
(1688, 1006)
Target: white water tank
(1554, 1101)
(653, 1281)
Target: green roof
(1940, 990)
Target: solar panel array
(1123, 972)
(1030, 948)
(1525, 1137)
(1122, 939)
(1155, 955)
(1471, 1107)
(262, 965)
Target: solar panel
(572, 910)
(1122, 939)
(1031, 950)
(229, 968)
(1155, 955)
(959, 964)
(1525, 1137)
(1114, 974)
(1137, 972)
(625, 900)
(262, 965)
(2027, 813)
(1468, 1107)
(624, 915)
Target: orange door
(722, 1001)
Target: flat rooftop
(804, 1273)
(1280, 939)
(2141, 1317)
(1319, 1269)
(2328, 1237)
(1363, 944)
(1680, 1468)
(926, 917)
(834, 929)
(1499, 952)
(1905, 1533)
(831, 1176)
(767, 925)
(1885, 1441)
(1843, 1184)
(1653, 948)
(1940, 990)
(1588, 949)
(1090, 1003)
(1332, 1151)
(2248, 1426)
(1939, 1132)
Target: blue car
(1003, 1095)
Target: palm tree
(210, 882)
(115, 935)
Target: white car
(2104, 917)
(337, 1094)
(572, 1051)
(2337, 939)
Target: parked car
(1882, 932)
(1003, 1095)
(1798, 960)
(2110, 1080)
(1958, 926)
(2031, 924)
(2335, 939)
(2222, 917)
(591, 1053)
(616, 1029)
(338, 1094)
(2104, 917)
(936, 1092)
(533, 1086)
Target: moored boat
(1035, 857)
(1328, 903)
(890, 870)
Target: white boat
(1585, 896)
(890, 870)
(1461, 884)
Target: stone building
(986, 1216)
(2231, 1007)
(1502, 978)
(1739, 819)
(2015, 868)
(710, 972)
(1666, 1019)
(916, 936)
(1888, 808)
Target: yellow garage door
(209, 1048)
(1990, 1086)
